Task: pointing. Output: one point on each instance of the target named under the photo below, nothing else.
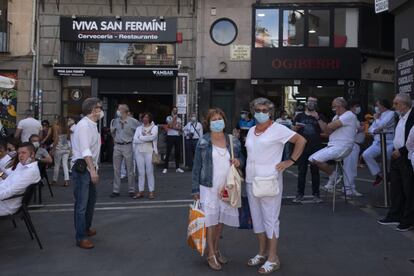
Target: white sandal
(269, 267)
(256, 260)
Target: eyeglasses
(258, 110)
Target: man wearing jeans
(86, 146)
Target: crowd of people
(263, 148)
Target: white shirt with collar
(399, 138)
(386, 123)
(86, 141)
(196, 129)
(16, 183)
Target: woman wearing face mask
(61, 150)
(265, 143)
(210, 169)
(145, 144)
(12, 146)
(192, 131)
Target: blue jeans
(85, 198)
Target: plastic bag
(196, 231)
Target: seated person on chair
(342, 132)
(41, 154)
(26, 173)
(4, 157)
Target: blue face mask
(217, 126)
(261, 117)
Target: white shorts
(330, 153)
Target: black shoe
(317, 199)
(114, 195)
(298, 199)
(404, 227)
(131, 194)
(388, 221)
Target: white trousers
(145, 167)
(61, 157)
(351, 169)
(265, 212)
(373, 152)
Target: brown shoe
(91, 232)
(138, 195)
(85, 244)
(151, 195)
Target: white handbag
(265, 186)
(234, 181)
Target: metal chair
(23, 212)
(340, 173)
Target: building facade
(297, 48)
(136, 52)
(16, 58)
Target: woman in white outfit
(145, 144)
(265, 143)
(61, 149)
(210, 169)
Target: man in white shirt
(26, 173)
(192, 132)
(27, 127)
(401, 211)
(86, 146)
(384, 122)
(410, 146)
(342, 132)
(174, 127)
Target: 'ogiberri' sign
(125, 29)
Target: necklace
(259, 132)
(219, 150)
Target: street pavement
(143, 237)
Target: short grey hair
(262, 101)
(405, 98)
(89, 104)
(342, 102)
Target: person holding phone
(308, 124)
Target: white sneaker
(331, 180)
(164, 171)
(179, 170)
(356, 193)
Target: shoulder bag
(234, 180)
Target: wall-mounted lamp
(74, 17)
(118, 17)
(161, 18)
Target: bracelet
(294, 161)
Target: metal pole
(384, 167)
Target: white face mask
(28, 161)
(357, 110)
(194, 119)
(36, 145)
(377, 110)
(101, 115)
(118, 113)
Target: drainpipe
(37, 87)
(33, 52)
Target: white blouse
(265, 151)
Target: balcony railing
(4, 36)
